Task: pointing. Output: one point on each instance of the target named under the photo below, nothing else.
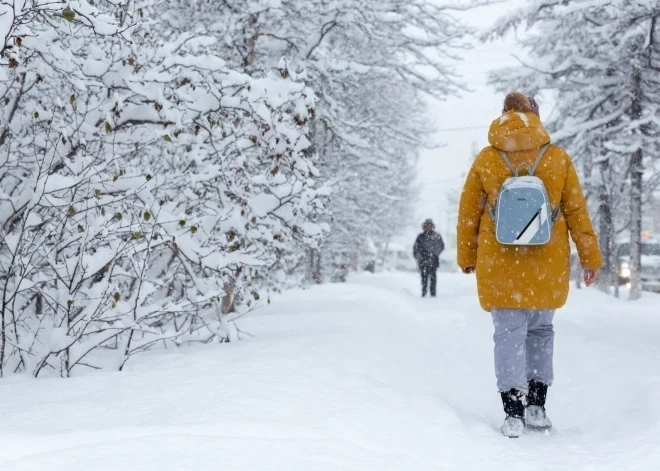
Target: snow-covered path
(359, 376)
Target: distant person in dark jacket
(427, 249)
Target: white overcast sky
(441, 170)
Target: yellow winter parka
(523, 277)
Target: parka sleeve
(441, 244)
(574, 209)
(471, 208)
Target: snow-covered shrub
(147, 188)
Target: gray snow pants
(524, 343)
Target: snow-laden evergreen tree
(146, 188)
(601, 60)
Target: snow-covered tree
(602, 61)
(146, 189)
(373, 65)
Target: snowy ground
(359, 376)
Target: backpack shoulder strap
(538, 160)
(508, 162)
(491, 211)
(556, 213)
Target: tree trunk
(614, 261)
(636, 172)
(315, 274)
(66, 356)
(227, 305)
(3, 337)
(605, 232)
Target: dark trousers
(428, 276)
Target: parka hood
(516, 131)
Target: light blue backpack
(523, 214)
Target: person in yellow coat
(522, 286)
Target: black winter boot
(512, 401)
(535, 414)
(537, 394)
(514, 408)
